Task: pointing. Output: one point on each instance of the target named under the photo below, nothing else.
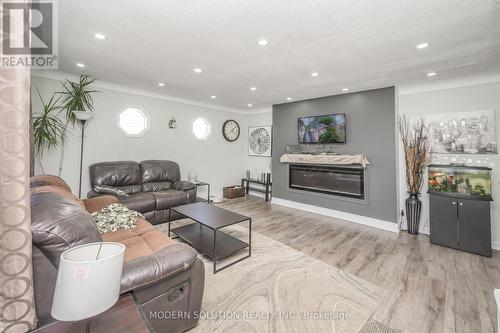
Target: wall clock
(231, 130)
(259, 140)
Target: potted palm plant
(77, 97)
(418, 155)
(49, 130)
(77, 103)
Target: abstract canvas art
(259, 140)
(469, 132)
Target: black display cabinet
(460, 199)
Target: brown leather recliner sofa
(152, 187)
(161, 274)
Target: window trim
(209, 134)
(144, 112)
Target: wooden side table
(123, 317)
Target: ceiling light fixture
(213, 97)
(431, 74)
(253, 88)
(314, 74)
(81, 65)
(345, 89)
(161, 84)
(288, 98)
(422, 46)
(197, 70)
(99, 36)
(250, 105)
(263, 42)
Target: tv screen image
(322, 129)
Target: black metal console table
(267, 186)
(199, 184)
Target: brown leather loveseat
(162, 275)
(150, 187)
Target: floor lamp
(83, 117)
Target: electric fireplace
(344, 181)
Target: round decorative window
(201, 129)
(133, 121)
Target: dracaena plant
(48, 130)
(77, 96)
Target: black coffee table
(206, 236)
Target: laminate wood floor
(429, 288)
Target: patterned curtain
(17, 309)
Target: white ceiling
(360, 44)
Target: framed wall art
(469, 132)
(260, 140)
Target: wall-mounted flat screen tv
(322, 129)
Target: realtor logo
(29, 34)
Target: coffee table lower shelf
(219, 247)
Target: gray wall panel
(370, 117)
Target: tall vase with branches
(418, 155)
(76, 96)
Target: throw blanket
(115, 216)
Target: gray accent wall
(370, 121)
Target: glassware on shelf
(314, 149)
(193, 176)
(294, 149)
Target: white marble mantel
(325, 159)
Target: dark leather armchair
(161, 274)
(152, 187)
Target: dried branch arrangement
(417, 149)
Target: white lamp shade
(88, 280)
(82, 115)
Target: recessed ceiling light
(314, 74)
(197, 70)
(81, 65)
(253, 88)
(213, 97)
(250, 105)
(422, 46)
(263, 42)
(161, 84)
(99, 36)
(288, 98)
(431, 74)
(345, 89)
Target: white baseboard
(368, 221)
(495, 245)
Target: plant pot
(413, 210)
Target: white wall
(257, 164)
(216, 161)
(469, 98)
